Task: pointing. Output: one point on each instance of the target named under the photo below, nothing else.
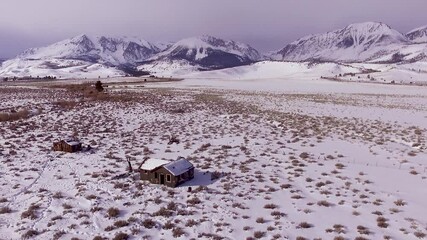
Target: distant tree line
(29, 78)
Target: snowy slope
(209, 53)
(418, 35)
(167, 68)
(270, 70)
(355, 43)
(60, 68)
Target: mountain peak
(369, 25)
(354, 43)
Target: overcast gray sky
(265, 24)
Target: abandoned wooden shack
(69, 145)
(169, 173)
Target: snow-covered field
(293, 158)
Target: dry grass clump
(30, 234)
(361, 238)
(121, 236)
(400, 203)
(259, 234)
(324, 203)
(58, 195)
(67, 206)
(304, 225)
(191, 223)
(148, 223)
(168, 225)
(177, 232)
(113, 212)
(31, 212)
(300, 238)
(382, 222)
(4, 210)
(164, 212)
(270, 206)
(64, 104)
(121, 223)
(14, 116)
(58, 235)
(194, 201)
(339, 238)
(420, 234)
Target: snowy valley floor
(292, 160)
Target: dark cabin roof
(179, 166)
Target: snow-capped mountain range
(93, 56)
(361, 42)
(125, 54)
(99, 49)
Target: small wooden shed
(69, 145)
(169, 173)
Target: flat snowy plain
(293, 158)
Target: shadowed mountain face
(210, 53)
(354, 43)
(418, 35)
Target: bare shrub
(194, 201)
(30, 234)
(148, 223)
(400, 202)
(121, 236)
(121, 223)
(419, 234)
(178, 232)
(191, 223)
(270, 206)
(360, 238)
(324, 203)
(67, 206)
(65, 104)
(4, 210)
(260, 220)
(58, 195)
(163, 212)
(30, 213)
(113, 212)
(259, 234)
(14, 116)
(168, 225)
(215, 175)
(382, 222)
(304, 225)
(109, 228)
(58, 235)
